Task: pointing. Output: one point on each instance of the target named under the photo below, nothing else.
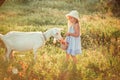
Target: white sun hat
(73, 13)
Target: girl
(73, 36)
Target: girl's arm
(76, 33)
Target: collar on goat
(44, 37)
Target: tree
(116, 7)
(1, 2)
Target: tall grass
(100, 41)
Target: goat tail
(1, 36)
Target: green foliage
(100, 35)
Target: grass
(100, 41)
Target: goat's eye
(56, 33)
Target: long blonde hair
(71, 24)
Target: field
(100, 58)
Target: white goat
(24, 41)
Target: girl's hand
(62, 41)
(68, 34)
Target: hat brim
(67, 15)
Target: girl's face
(72, 19)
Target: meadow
(100, 58)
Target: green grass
(100, 41)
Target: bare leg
(67, 57)
(74, 59)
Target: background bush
(100, 34)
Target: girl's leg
(74, 59)
(67, 57)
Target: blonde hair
(70, 24)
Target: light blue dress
(74, 43)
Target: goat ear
(54, 41)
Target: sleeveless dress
(74, 43)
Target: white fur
(24, 41)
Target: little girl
(73, 39)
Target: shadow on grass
(69, 71)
